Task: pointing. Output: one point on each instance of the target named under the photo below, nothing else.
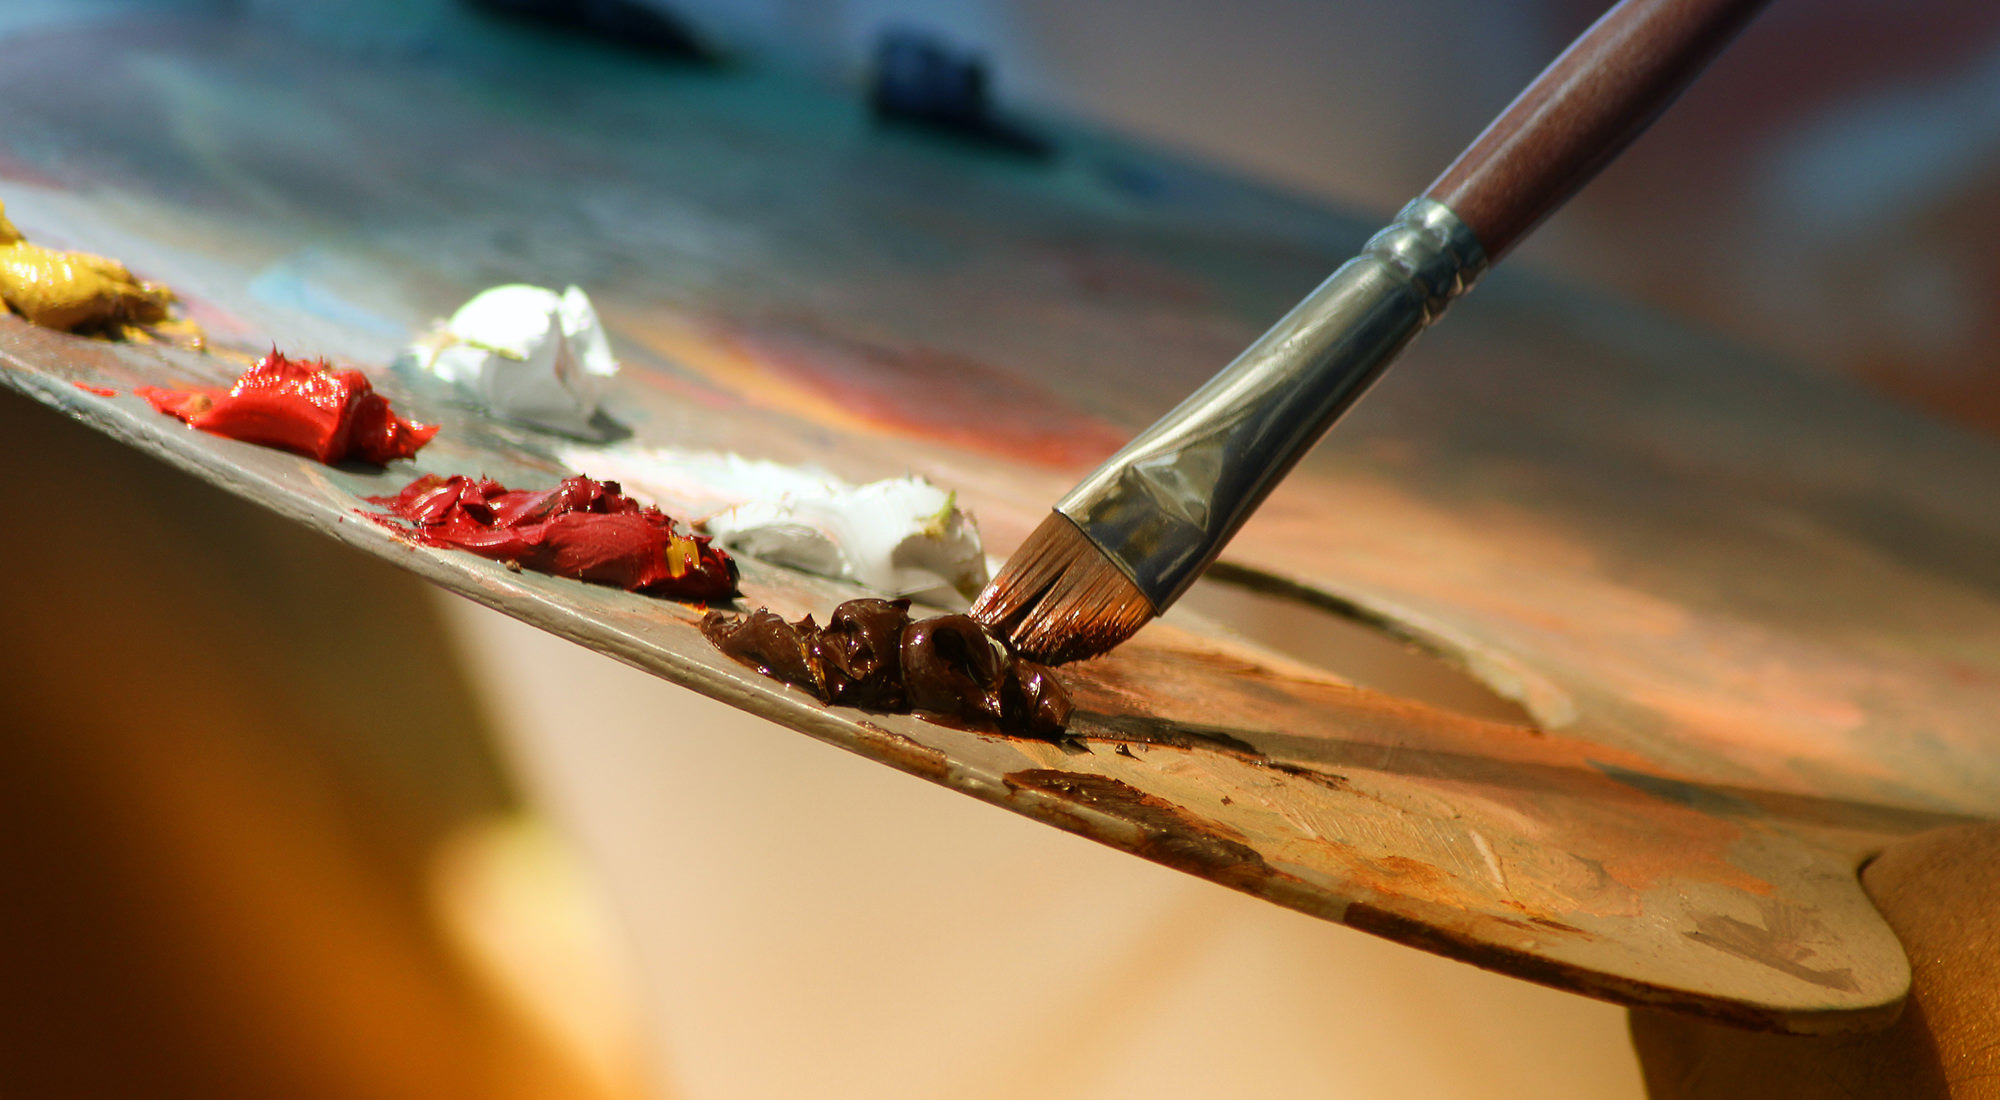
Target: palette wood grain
(1753, 612)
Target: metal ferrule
(1163, 507)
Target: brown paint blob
(949, 668)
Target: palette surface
(1750, 616)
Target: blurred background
(523, 870)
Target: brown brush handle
(1582, 111)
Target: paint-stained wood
(1754, 615)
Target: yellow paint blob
(75, 291)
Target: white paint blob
(527, 354)
(897, 537)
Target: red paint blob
(101, 391)
(305, 407)
(583, 529)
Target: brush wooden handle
(1582, 111)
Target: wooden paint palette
(1751, 615)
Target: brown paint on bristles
(1060, 599)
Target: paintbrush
(1123, 545)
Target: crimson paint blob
(583, 529)
(305, 407)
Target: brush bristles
(1059, 598)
